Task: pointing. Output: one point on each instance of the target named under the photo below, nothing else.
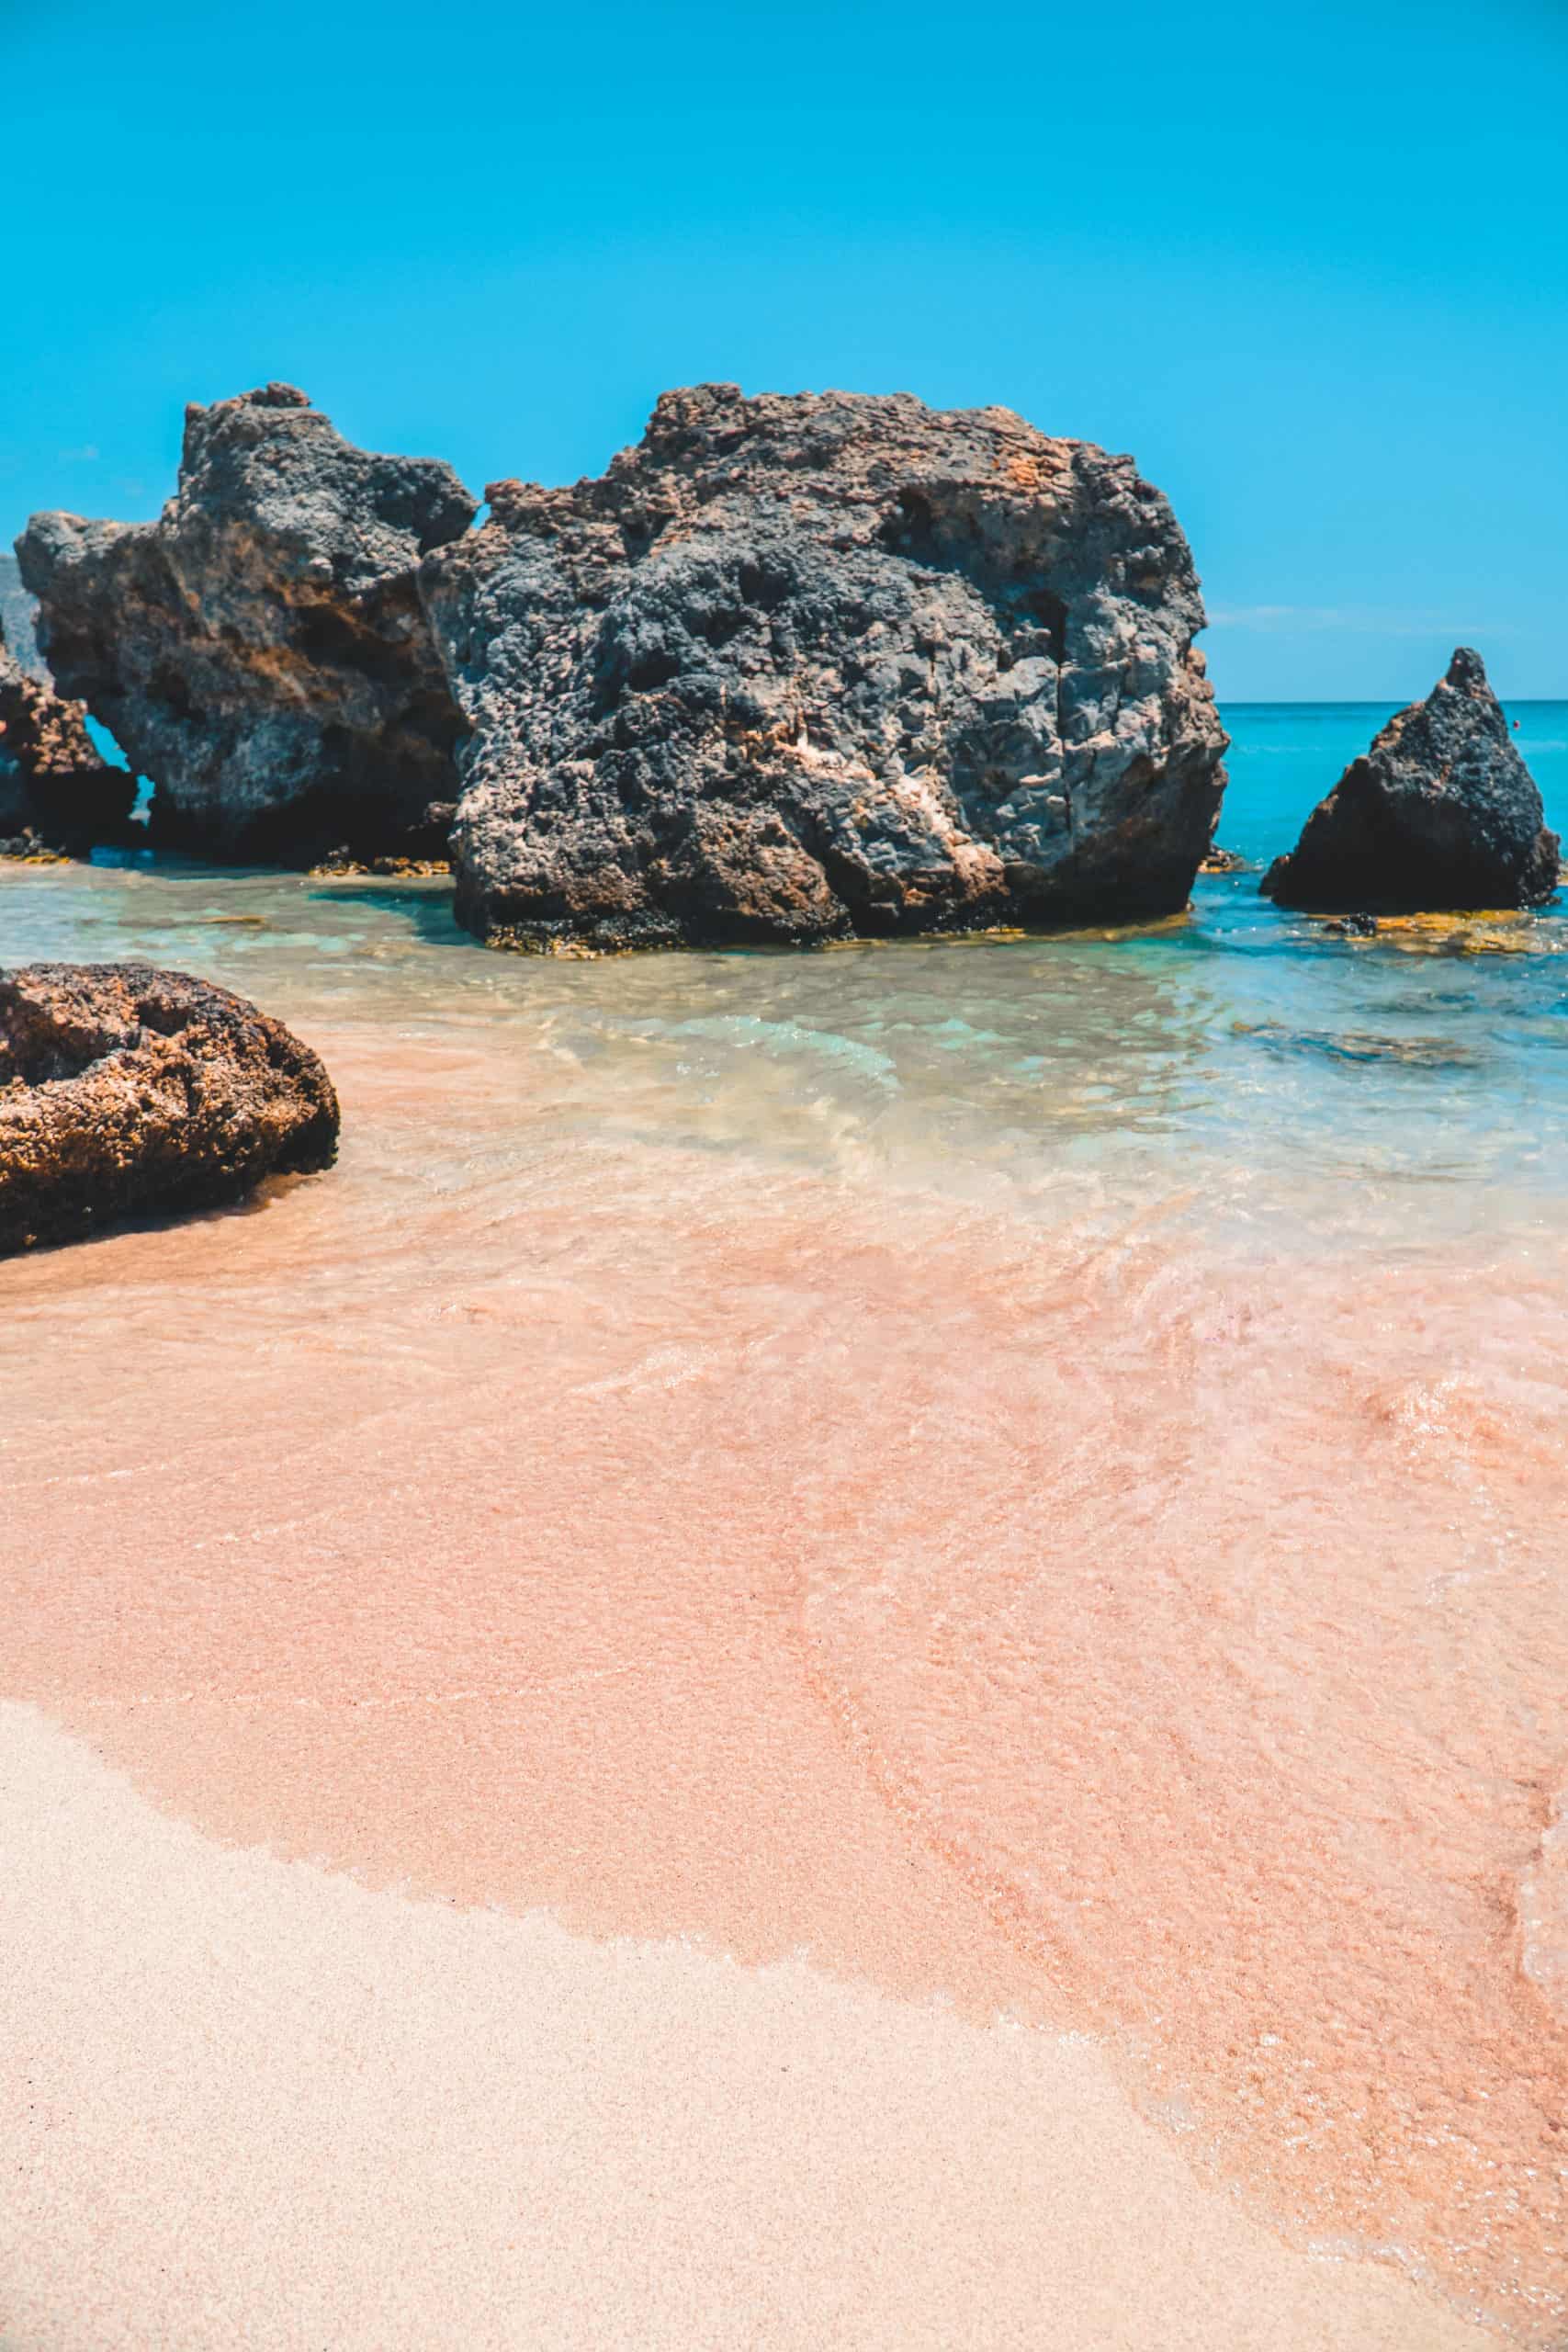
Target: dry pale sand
(249, 2102)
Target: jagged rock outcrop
(260, 652)
(806, 666)
(1440, 814)
(56, 789)
(128, 1091)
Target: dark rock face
(55, 789)
(1441, 813)
(259, 653)
(801, 667)
(19, 617)
(127, 1092)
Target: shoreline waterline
(252, 2101)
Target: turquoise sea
(1298, 1076)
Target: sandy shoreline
(894, 1613)
(250, 2102)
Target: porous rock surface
(18, 614)
(1440, 814)
(260, 652)
(56, 789)
(127, 1092)
(806, 666)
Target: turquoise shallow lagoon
(1400, 1087)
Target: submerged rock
(338, 862)
(1352, 926)
(127, 1092)
(259, 653)
(804, 667)
(1509, 931)
(57, 792)
(1440, 814)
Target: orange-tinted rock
(128, 1091)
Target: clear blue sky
(1308, 264)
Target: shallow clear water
(1407, 1084)
(1010, 1463)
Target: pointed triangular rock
(1439, 814)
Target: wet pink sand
(1073, 1617)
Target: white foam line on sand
(246, 2102)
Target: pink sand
(1062, 1620)
(248, 2102)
